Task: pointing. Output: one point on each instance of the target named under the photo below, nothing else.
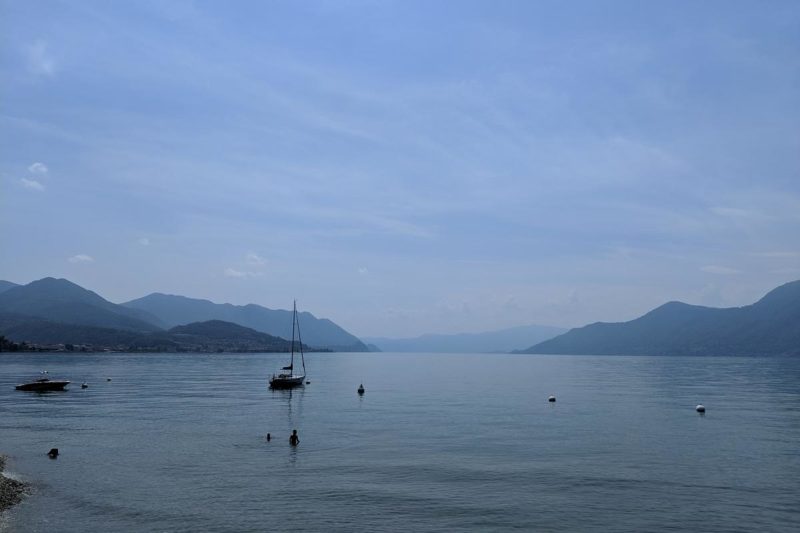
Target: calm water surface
(437, 443)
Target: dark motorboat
(43, 385)
(286, 378)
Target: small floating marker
(84, 385)
(361, 389)
(269, 437)
(53, 453)
(308, 383)
(700, 408)
(551, 399)
(108, 379)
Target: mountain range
(500, 341)
(5, 285)
(57, 311)
(172, 310)
(771, 326)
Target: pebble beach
(11, 490)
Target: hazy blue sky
(404, 167)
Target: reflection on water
(293, 399)
(438, 443)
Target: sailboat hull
(287, 379)
(282, 381)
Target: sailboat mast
(294, 319)
(300, 340)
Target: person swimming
(294, 440)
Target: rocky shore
(11, 490)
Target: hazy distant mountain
(36, 330)
(59, 300)
(211, 336)
(5, 285)
(57, 311)
(503, 340)
(770, 326)
(229, 337)
(318, 332)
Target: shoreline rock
(11, 490)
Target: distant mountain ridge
(60, 300)
(213, 336)
(771, 326)
(5, 285)
(54, 309)
(173, 310)
(499, 341)
(227, 336)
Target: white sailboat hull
(285, 381)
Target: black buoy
(361, 389)
(53, 453)
(700, 408)
(269, 437)
(84, 386)
(308, 383)
(551, 399)
(108, 379)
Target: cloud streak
(80, 258)
(38, 169)
(240, 274)
(252, 258)
(32, 184)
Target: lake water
(437, 443)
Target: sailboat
(286, 378)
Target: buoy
(308, 383)
(84, 386)
(700, 408)
(269, 437)
(361, 389)
(108, 379)
(551, 399)
(53, 453)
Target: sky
(404, 167)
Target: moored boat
(286, 378)
(43, 385)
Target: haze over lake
(437, 443)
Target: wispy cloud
(81, 258)
(252, 258)
(39, 59)
(363, 271)
(721, 270)
(38, 169)
(31, 184)
(233, 273)
(144, 241)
